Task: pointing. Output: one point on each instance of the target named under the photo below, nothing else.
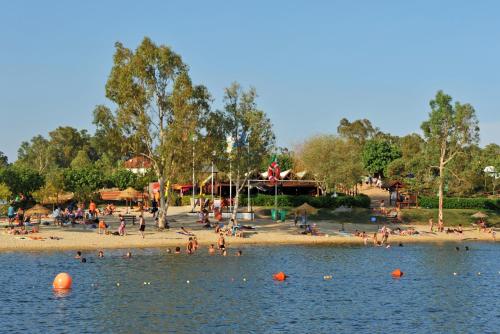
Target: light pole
(248, 184)
(230, 183)
(229, 149)
(212, 188)
(194, 189)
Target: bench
(129, 219)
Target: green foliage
(65, 141)
(284, 158)
(54, 185)
(21, 179)
(83, 182)
(332, 160)
(81, 160)
(318, 202)
(5, 193)
(377, 154)
(396, 169)
(158, 109)
(459, 203)
(123, 178)
(4, 161)
(37, 154)
(107, 140)
(410, 145)
(249, 128)
(358, 131)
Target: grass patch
(452, 217)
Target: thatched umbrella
(129, 194)
(479, 214)
(37, 210)
(305, 208)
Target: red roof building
(138, 164)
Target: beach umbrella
(479, 214)
(129, 193)
(37, 210)
(307, 208)
(61, 198)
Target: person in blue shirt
(11, 213)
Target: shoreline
(90, 240)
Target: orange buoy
(62, 281)
(397, 273)
(280, 276)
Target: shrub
(460, 203)
(318, 202)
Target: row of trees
(157, 113)
(446, 159)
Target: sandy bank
(266, 233)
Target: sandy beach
(266, 232)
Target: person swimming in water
(177, 250)
(78, 255)
(128, 255)
(211, 249)
(239, 252)
(101, 254)
(221, 242)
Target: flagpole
(276, 199)
(248, 184)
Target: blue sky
(312, 63)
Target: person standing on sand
(440, 226)
(431, 224)
(375, 239)
(385, 238)
(142, 225)
(121, 228)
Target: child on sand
(121, 229)
(102, 227)
(142, 225)
(431, 224)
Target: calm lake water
(237, 294)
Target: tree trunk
(162, 214)
(236, 203)
(440, 192)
